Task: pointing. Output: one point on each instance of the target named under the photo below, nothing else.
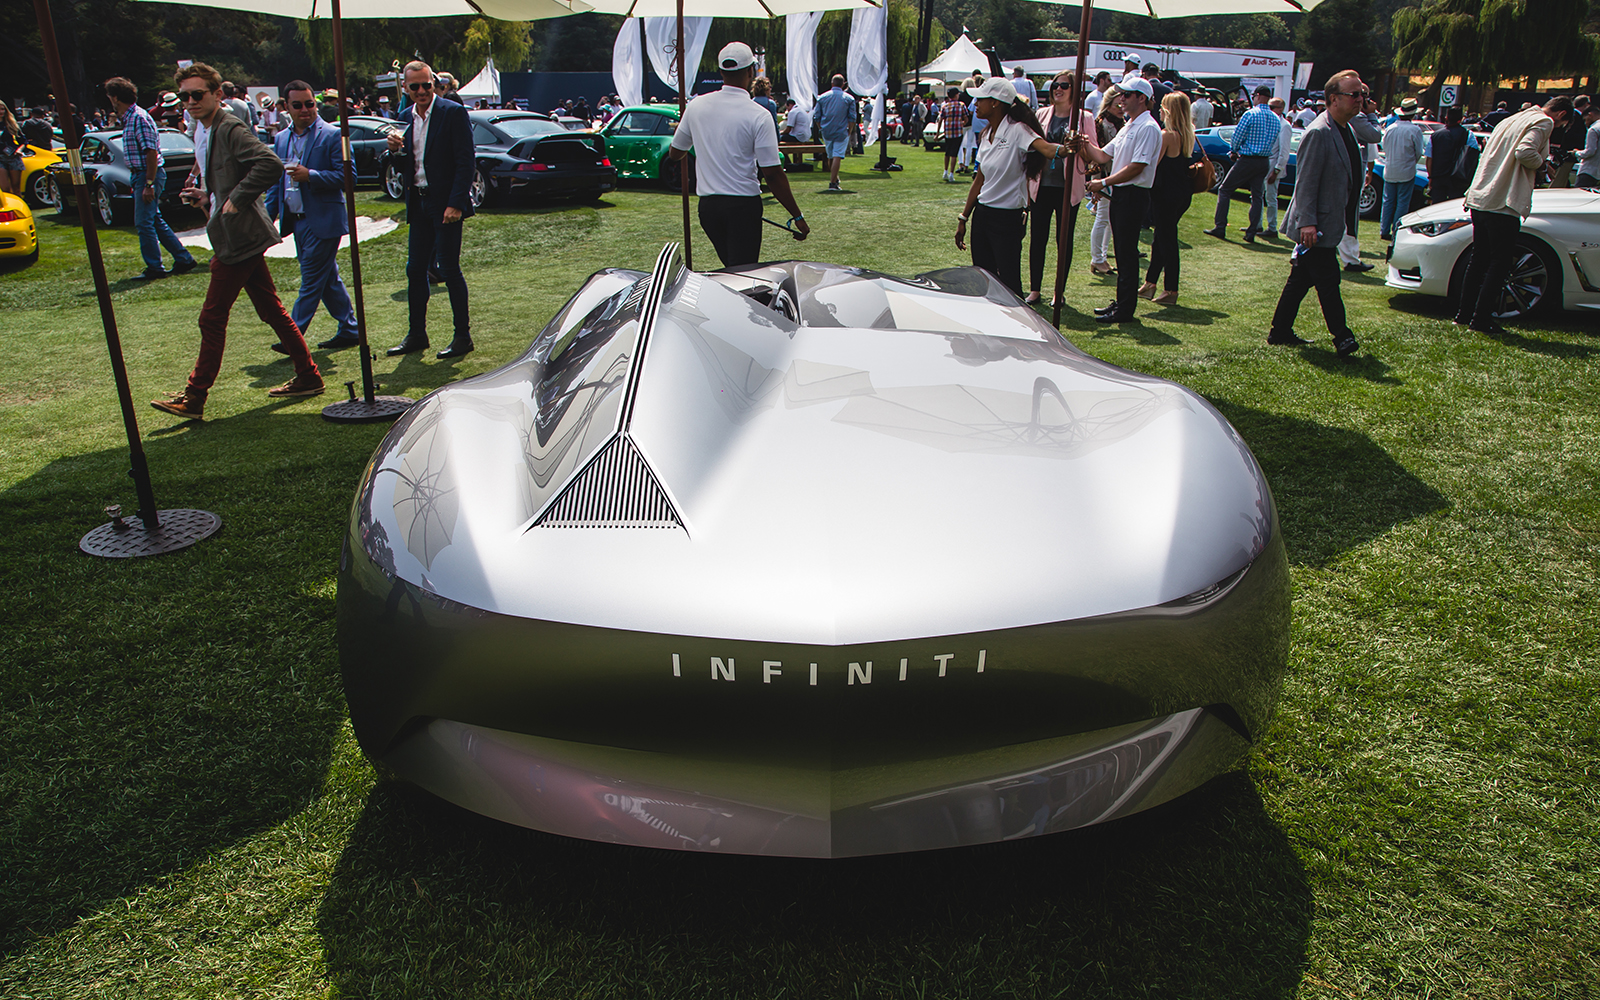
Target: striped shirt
(1256, 132)
(139, 135)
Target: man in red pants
(232, 168)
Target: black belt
(295, 215)
(1253, 156)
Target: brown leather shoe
(181, 404)
(300, 385)
(1166, 299)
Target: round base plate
(179, 530)
(359, 411)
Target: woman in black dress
(1172, 191)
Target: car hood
(810, 453)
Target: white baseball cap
(995, 89)
(735, 55)
(1140, 84)
(1132, 57)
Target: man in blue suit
(308, 202)
(435, 156)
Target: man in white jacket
(1279, 162)
(1501, 196)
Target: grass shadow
(141, 741)
(1362, 365)
(1137, 331)
(1335, 488)
(1190, 315)
(1203, 896)
(1416, 304)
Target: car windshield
(519, 128)
(171, 142)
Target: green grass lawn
(186, 813)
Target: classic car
(809, 560)
(18, 238)
(105, 167)
(1556, 264)
(524, 152)
(637, 139)
(1214, 141)
(36, 175)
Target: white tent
(485, 84)
(957, 62)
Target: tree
(1339, 35)
(1484, 41)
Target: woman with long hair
(11, 143)
(1011, 150)
(1170, 196)
(1106, 126)
(1045, 190)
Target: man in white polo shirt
(733, 138)
(1133, 155)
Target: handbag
(1202, 174)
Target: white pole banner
(661, 37)
(627, 64)
(800, 58)
(867, 61)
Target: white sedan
(1556, 264)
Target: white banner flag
(661, 39)
(627, 64)
(867, 61)
(800, 58)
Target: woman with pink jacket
(1044, 191)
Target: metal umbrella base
(127, 537)
(356, 410)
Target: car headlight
(1439, 227)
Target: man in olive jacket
(232, 169)
(1327, 192)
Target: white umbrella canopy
(721, 8)
(506, 10)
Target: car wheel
(1371, 200)
(58, 198)
(1533, 284)
(671, 173)
(39, 189)
(103, 207)
(482, 190)
(394, 185)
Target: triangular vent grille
(617, 490)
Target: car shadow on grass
(1335, 488)
(1202, 896)
(161, 709)
(1579, 323)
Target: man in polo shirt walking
(1132, 155)
(1253, 140)
(142, 144)
(835, 114)
(733, 137)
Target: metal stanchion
(152, 531)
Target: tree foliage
(1339, 35)
(1483, 41)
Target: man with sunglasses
(1327, 192)
(233, 168)
(435, 156)
(308, 201)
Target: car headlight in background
(1439, 227)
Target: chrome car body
(1556, 264)
(809, 560)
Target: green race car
(637, 140)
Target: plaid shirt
(952, 118)
(1256, 132)
(138, 135)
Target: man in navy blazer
(308, 202)
(435, 156)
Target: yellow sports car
(36, 175)
(17, 238)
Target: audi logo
(1114, 55)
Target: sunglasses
(192, 95)
(303, 105)
(414, 87)
(1363, 94)
(1061, 86)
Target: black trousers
(733, 222)
(1246, 172)
(1319, 268)
(433, 242)
(1494, 239)
(1128, 208)
(1045, 208)
(997, 243)
(1168, 208)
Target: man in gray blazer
(1327, 191)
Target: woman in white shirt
(997, 202)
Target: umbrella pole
(158, 530)
(1066, 174)
(370, 407)
(683, 175)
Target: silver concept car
(808, 560)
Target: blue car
(1214, 141)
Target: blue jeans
(1396, 203)
(320, 284)
(154, 233)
